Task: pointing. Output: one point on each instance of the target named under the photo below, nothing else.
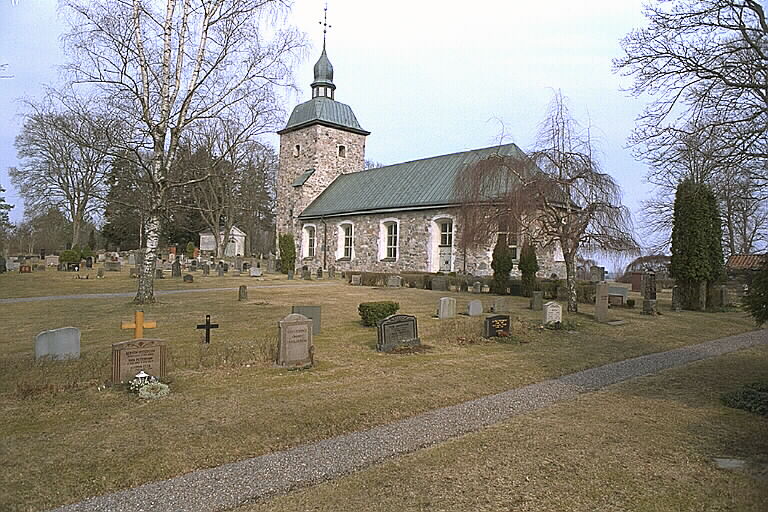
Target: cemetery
(293, 354)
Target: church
(397, 218)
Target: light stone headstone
(357, 279)
(394, 282)
(502, 305)
(52, 261)
(601, 302)
(256, 272)
(58, 344)
(553, 313)
(132, 356)
(485, 289)
(475, 308)
(331, 272)
(477, 287)
(446, 308)
(311, 312)
(242, 293)
(295, 347)
(537, 301)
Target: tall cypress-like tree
(697, 252)
(502, 265)
(529, 265)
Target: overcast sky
(425, 77)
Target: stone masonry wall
(319, 150)
(417, 249)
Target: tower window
(342, 151)
(297, 150)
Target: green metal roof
(325, 111)
(415, 184)
(303, 178)
(323, 71)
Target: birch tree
(557, 194)
(162, 66)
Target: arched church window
(342, 151)
(297, 150)
(345, 241)
(310, 235)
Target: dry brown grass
(228, 403)
(644, 445)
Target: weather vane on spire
(324, 23)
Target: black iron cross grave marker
(208, 326)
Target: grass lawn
(69, 438)
(643, 445)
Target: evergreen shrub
(287, 252)
(529, 265)
(501, 265)
(374, 312)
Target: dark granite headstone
(313, 312)
(496, 326)
(397, 330)
(176, 268)
(188, 278)
(440, 284)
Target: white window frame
(384, 239)
(341, 241)
(308, 250)
(435, 241)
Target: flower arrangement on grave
(147, 386)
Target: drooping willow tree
(557, 194)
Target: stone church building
(397, 218)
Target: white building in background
(235, 242)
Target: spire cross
(324, 23)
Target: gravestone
(305, 273)
(220, 270)
(188, 278)
(290, 275)
(394, 282)
(132, 356)
(295, 346)
(331, 272)
(397, 330)
(649, 286)
(25, 269)
(502, 305)
(159, 273)
(446, 308)
(453, 288)
(247, 266)
(58, 344)
(3, 268)
(319, 273)
(112, 266)
(272, 264)
(477, 287)
(475, 308)
(235, 273)
(601, 302)
(255, 272)
(311, 312)
(553, 313)
(596, 274)
(206, 269)
(226, 267)
(193, 265)
(357, 279)
(242, 293)
(496, 326)
(133, 272)
(131, 258)
(677, 299)
(52, 261)
(537, 301)
(649, 307)
(176, 268)
(89, 262)
(100, 273)
(239, 263)
(703, 296)
(440, 284)
(485, 289)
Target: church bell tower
(321, 141)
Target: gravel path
(238, 483)
(14, 300)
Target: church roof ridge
(427, 182)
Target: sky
(425, 77)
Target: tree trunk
(76, 226)
(146, 291)
(570, 279)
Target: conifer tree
(529, 265)
(697, 253)
(501, 265)
(287, 252)
(756, 300)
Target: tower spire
(323, 86)
(324, 23)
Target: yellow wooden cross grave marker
(138, 325)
